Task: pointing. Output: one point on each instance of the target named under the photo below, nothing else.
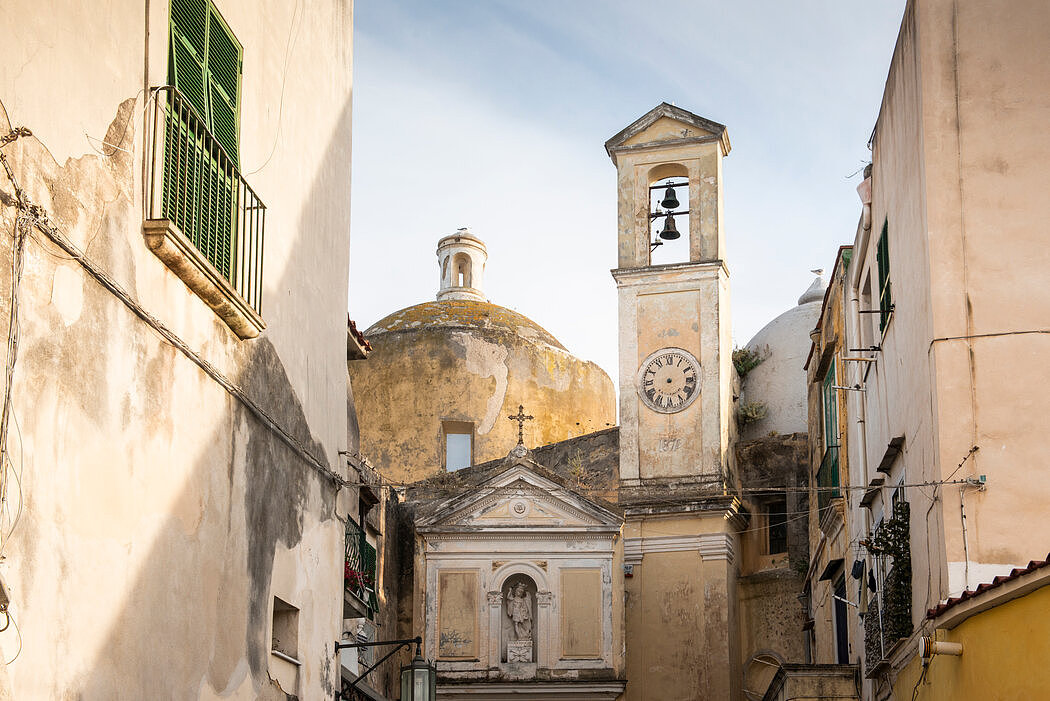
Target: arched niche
(461, 271)
(519, 618)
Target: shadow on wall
(130, 447)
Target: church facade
(649, 560)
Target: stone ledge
(169, 244)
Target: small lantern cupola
(461, 258)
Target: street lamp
(418, 680)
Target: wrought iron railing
(194, 182)
(359, 572)
(888, 618)
(828, 478)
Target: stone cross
(521, 417)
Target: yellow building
(997, 647)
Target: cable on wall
(37, 217)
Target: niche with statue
(518, 629)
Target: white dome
(779, 381)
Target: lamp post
(418, 679)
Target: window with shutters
(204, 65)
(882, 259)
(203, 219)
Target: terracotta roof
(1015, 573)
(360, 337)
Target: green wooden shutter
(224, 84)
(187, 57)
(882, 259)
(831, 408)
(200, 185)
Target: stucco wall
(958, 172)
(159, 516)
(682, 641)
(1004, 656)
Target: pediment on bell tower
(667, 125)
(519, 498)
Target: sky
(492, 115)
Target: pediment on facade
(519, 498)
(667, 125)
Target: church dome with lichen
(443, 376)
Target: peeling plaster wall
(413, 380)
(159, 516)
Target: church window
(882, 259)
(458, 444)
(776, 520)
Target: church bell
(670, 200)
(669, 233)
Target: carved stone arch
(667, 170)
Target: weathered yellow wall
(416, 378)
(1005, 653)
(681, 645)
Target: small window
(458, 444)
(285, 628)
(776, 516)
(882, 259)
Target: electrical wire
(293, 36)
(915, 691)
(18, 632)
(38, 218)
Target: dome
(459, 367)
(779, 381)
(471, 315)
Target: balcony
(359, 571)
(202, 218)
(888, 618)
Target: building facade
(175, 430)
(927, 338)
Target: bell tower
(673, 307)
(676, 427)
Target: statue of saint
(519, 610)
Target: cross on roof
(521, 417)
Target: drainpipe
(978, 484)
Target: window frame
(459, 428)
(882, 264)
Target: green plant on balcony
(889, 618)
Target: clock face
(669, 380)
